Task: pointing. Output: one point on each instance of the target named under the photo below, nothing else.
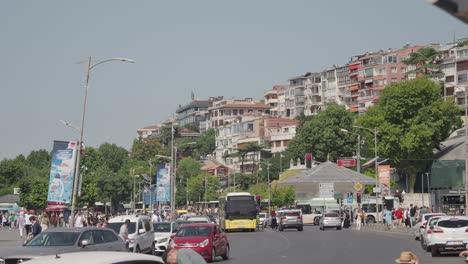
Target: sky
(230, 48)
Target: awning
(56, 207)
(354, 87)
(354, 67)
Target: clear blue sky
(230, 48)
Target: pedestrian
(358, 220)
(123, 233)
(27, 224)
(388, 217)
(21, 224)
(407, 257)
(398, 216)
(413, 210)
(274, 223)
(78, 221)
(35, 226)
(44, 221)
(53, 220)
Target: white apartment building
(227, 110)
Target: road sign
(358, 186)
(326, 190)
(376, 190)
(346, 162)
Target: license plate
(454, 243)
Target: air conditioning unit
(16, 190)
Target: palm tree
(426, 61)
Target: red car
(206, 239)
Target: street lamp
(375, 132)
(358, 153)
(174, 174)
(89, 67)
(133, 193)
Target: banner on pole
(163, 183)
(62, 172)
(384, 179)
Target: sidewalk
(382, 228)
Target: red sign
(346, 162)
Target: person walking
(27, 224)
(398, 216)
(21, 224)
(358, 220)
(123, 233)
(45, 221)
(413, 211)
(388, 218)
(35, 226)
(78, 221)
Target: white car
(140, 232)
(162, 236)
(101, 257)
(426, 232)
(199, 219)
(450, 233)
(263, 219)
(421, 224)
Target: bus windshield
(241, 207)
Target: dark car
(206, 239)
(64, 240)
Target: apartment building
(192, 113)
(313, 93)
(271, 98)
(270, 132)
(454, 65)
(148, 131)
(227, 110)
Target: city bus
(238, 211)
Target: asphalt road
(331, 246)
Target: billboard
(62, 172)
(384, 179)
(163, 183)
(346, 162)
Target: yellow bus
(238, 211)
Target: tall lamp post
(375, 132)
(90, 66)
(175, 172)
(358, 153)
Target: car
(426, 232)
(206, 239)
(449, 234)
(162, 236)
(291, 218)
(330, 220)
(65, 240)
(263, 219)
(96, 258)
(140, 232)
(421, 224)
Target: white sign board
(326, 190)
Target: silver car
(64, 240)
(330, 220)
(290, 219)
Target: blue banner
(148, 194)
(62, 171)
(163, 183)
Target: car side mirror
(431, 227)
(85, 243)
(141, 231)
(172, 236)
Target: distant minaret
(192, 95)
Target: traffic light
(204, 182)
(350, 194)
(259, 198)
(358, 197)
(308, 160)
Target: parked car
(140, 232)
(96, 258)
(162, 236)
(263, 219)
(291, 218)
(206, 239)
(199, 219)
(426, 232)
(421, 224)
(449, 234)
(65, 240)
(330, 220)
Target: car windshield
(263, 215)
(54, 239)
(116, 227)
(331, 215)
(426, 217)
(162, 227)
(192, 231)
(433, 220)
(453, 223)
(293, 213)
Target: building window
(241, 111)
(250, 127)
(221, 112)
(285, 130)
(403, 69)
(234, 112)
(394, 80)
(462, 77)
(394, 70)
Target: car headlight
(163, 240)
(2, 261)
(204, 243)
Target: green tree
(112, 156)
(426, 60)
(412, 119)
(282, 195)
(113, 187)
(196, 190)
(33, 192)
(322, 137)
(187, 168)
(146, 149)
(39, 159)
(206, 143)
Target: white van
(140, 231)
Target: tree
(192, 127)
(187, 168)
(112, 156)
(146, 149)
(206, 143)
(282, 195)
(39, 159)
(113, 187)
(33, 192)
(426, 60)
(412, 119)
(322, 137)
(197, 190)
(166, 134)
